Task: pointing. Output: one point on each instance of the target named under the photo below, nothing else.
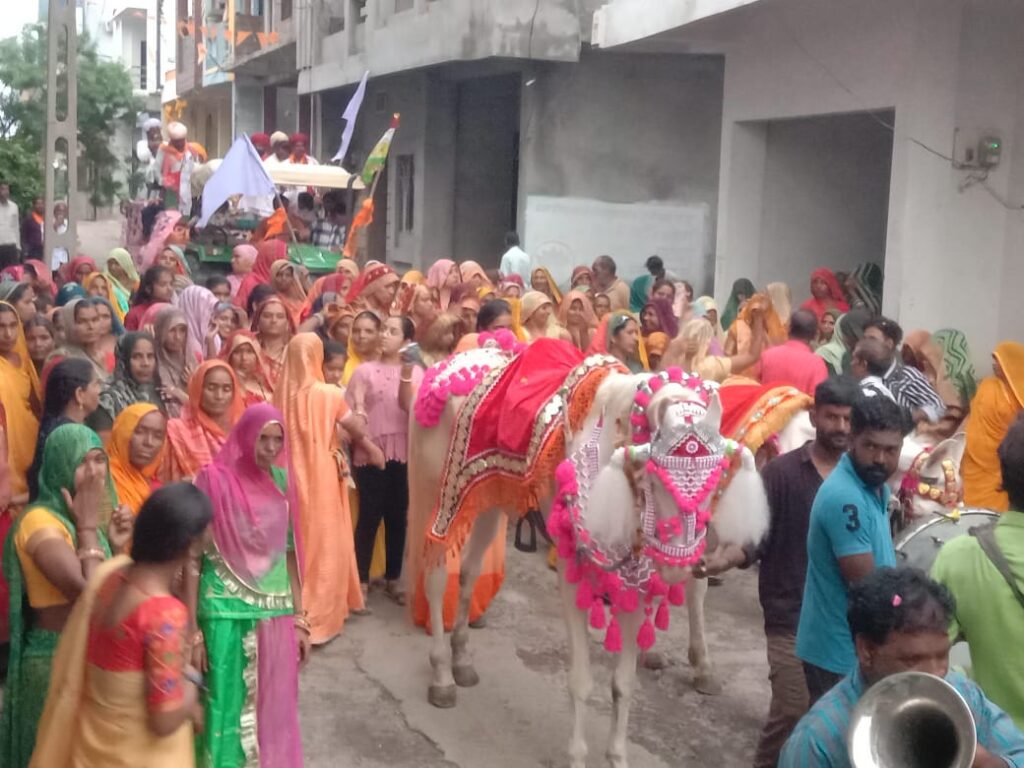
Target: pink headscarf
(437, 276)
(149, 316)
(250, 513)
(158, 239)
(199, 306)
(247, 257)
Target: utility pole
(61, 122)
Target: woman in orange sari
(998, 402)
(21, 397)
(312, 409)
(215, 404)
(288, 287)
(577, 316)
(136, 451)
(274, 328)
(740, 337)
(245, 356)
(121, 690)
(266, 254)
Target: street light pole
(61, 123)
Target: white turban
(150, 124)
(177, 131)
(278, 137)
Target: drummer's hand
(985, 759)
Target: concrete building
(235, 70)
(510, 120)
(850, 133)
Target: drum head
(919, 545)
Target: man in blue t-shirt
(847, 538)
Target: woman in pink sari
(248, 601)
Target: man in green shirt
(988, 614)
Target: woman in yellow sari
(998, 402)
(121, 693)
(21, 397)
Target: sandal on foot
(393, 591)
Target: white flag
(240, 173)
(349, 116)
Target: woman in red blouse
(121, 693)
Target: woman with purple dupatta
(253, 634)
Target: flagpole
(283, 204)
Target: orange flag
(363, 219)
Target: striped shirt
(912, 390)
(819, 740)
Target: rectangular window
(286, 9)
(405, 195)
(142, 65)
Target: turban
(260, 140)
(278, 137)
(177, 131)
(150, 124)
(300, 138)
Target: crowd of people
(129, 381)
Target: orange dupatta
(133, 484)
(20, 393)
(194, 439)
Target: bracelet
(405, 381)
(302, 622)
(91, 553)
(82, 528)
(197, 638)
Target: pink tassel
(597, 617)
(629, 601)
(565, 550)
(584, 595)
(661, 617)
(613, 637)
(677, 594)
(645, 637)
(565, 473)
(572, 570)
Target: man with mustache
(847, 538)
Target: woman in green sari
(253, 634)
(50, 552)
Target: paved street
(364, 696)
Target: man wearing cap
(175, 161)
(261, 142)
(280, 149)
(300, 150)
(146, 151)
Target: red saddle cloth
(509, 434)
(752, 413)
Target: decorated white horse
(642, 480)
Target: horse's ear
(713, 417)
(950, 448)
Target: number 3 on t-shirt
(852, 517)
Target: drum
(919, 545)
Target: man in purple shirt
(794, 362)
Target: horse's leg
(623, 683)
(442, 685)
(704, 679)
(484, 530)
(580, 681)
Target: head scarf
(437, 277)
(109, 295)
(703, 307)
(777, 333)
(371, 278)
(349, 267)
(667, 322)
(835, 351)
(133, 484)
(8, 287)
(580, 272)
(609, 325)
(170, 371)
(580, 336)
(251, 511)
(43, 275)
(1010, 356)
(124, 260)
(352, 357)
(266, 254)
(71, 268)
(956, 356)
(732, 307)
(148, 319)
(124, 390)
(247, 258)
(866, 287)
(415, 277)
(922, 353)
(69, 292)
(528, 305)
(196, 383)
(470, 269)
(556, 295)
(241, 338)
(199, 306)
(65, 450)
(161, 231)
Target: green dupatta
(25, 693)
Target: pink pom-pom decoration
(613, 637)
(565, 473)
(645, 637)
(677, 594)
(597, 617)
(572, 572)
(628, 600)
(661, 616)
(584, 595)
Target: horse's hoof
(442, 696)
(465, 676)
(653, 660)
(708, 684)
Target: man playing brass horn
(899, 619)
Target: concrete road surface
(363, 696)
